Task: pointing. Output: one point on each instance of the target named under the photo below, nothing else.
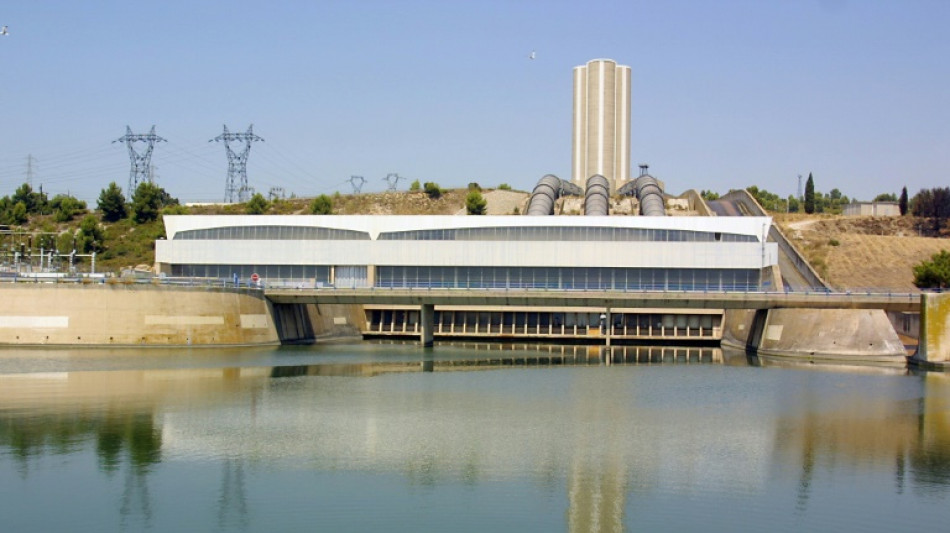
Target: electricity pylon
(140, 162)
(393, 181)
(357, 183)
(236, 189)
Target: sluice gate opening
(592, 325)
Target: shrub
(433, 190)
(933, 274)
(322, 205)
(257, 205)
(504, 187)
(415, 187)
(475, 203)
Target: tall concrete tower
(601, 140)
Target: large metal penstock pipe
(651, 197)
(544, 195)
(597, 196)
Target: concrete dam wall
(133, 315)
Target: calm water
(375, 437)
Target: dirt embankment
(861, 252)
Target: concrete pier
(427, 320)
(934, 348)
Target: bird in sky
(530, 56)
(4, 31)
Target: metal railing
(310, 284)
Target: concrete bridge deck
(907, 302)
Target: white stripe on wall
(34, 321)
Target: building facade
(872, 209)
(565, 253)
(601, 134)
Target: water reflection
(657, 421)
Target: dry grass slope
(861, 252)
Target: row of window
(529, 233)
(315, 273)
(567, 278)
(272, 233)
(491, 277)
(564, 234)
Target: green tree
(769, 201)
(18, 214)
(66, 207)
(35, 202)
(794, 206)
(415, 187)
(504, 187)
(112, 203)
(322, 205)
(709, 196)
(810, 195)
(933, 274)
(433, 190)
(933, 204)
(148, 201)
(65, 242)
(257, 205)
(90, 237)
(885, 197)
(902, 202)
(475, 203)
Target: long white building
(610, 252)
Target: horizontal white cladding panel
(470, 253)
(375, 224)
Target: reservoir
(464, 437)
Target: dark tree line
(933, 204)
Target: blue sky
(725, 94)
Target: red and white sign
(255, 278)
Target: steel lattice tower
(236, 189)
(140, 162)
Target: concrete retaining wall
(696, 203)
(336, 320)
(838, 335)
(133, 314)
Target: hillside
(125, 244)
(861, 252)
(849, 252)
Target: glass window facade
(558, 233)
(687, 279)
(268, 233)
(312, 273)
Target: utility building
(601, 137)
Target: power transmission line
(30, 170)
(237, 163)
(140, 162)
